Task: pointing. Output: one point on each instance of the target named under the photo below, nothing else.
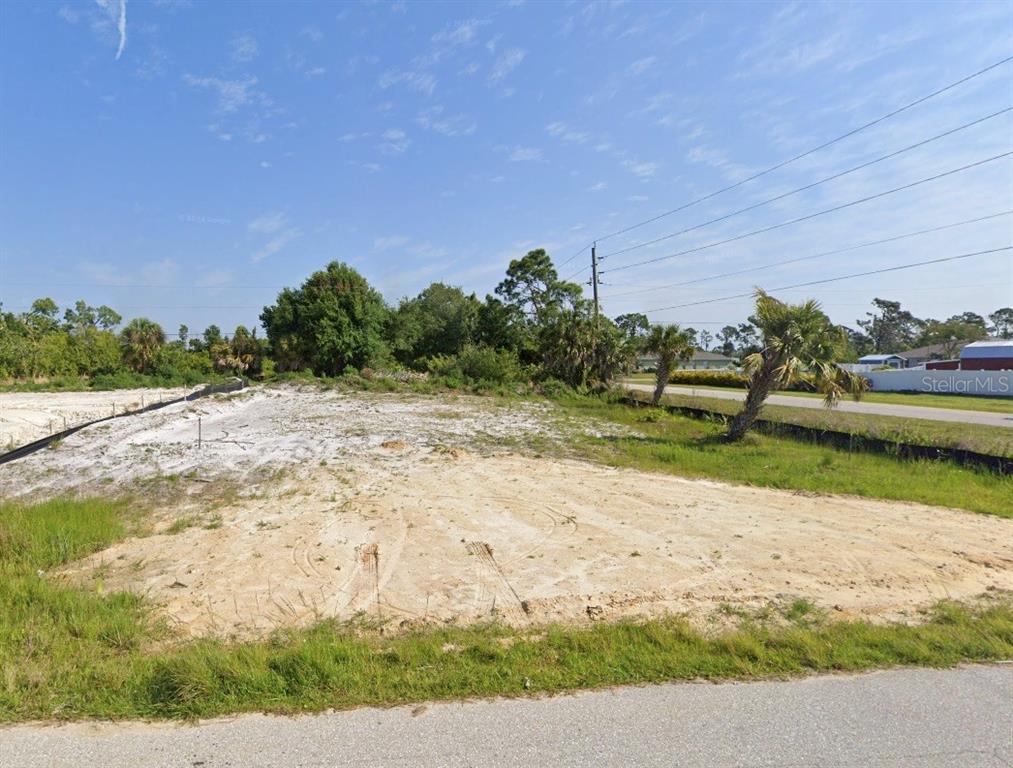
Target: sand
(28, 416)
(421, 510)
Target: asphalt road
(850, 406)
(902, 718)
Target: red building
(988, 355)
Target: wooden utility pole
(594, 279)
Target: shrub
(731, 379)
(477, 365)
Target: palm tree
(141, 339)
(797, 339)
(668, 342)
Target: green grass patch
(692, 447)
(994, 441)
(70, 653)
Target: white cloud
(506, 63)
(116, 11)
(244, 48)
(215, 278)
(268, 223)
(640, 66)
(524, 154)
(275, 244)
(642, 170)
(433, 119)
(563, 132)
(390, 241)
(395, 141)
(69, 15)
(312, 33)
(276, 225)
(347, 137)
(599, 186)
(461, 33)
(315, 71)
(232, 94)
(423, 82)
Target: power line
(838, 175)
(808, 152)
(834, 279)
(812, 215)
(814, 256)
(571, 258)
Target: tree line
(534, 326)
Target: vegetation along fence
(29, 448)
(851, 441)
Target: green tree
(669, 343)
(141, 339)
(441, 320)
(532, 285)
(1002, 322)
(797, 339)
(953, 333)
(891, 328)
(534, 298)
(634, 324)
(584, 351)
(107, 318)
(333, 321)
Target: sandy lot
(417, 509)
(28, 416)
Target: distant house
(922, 355)
(878, 361)
(701, 361)
(987, 355)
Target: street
(907, 718)
(850, 406)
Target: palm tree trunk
(661, 380)
(759, 388)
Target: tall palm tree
(141, 339)
(668, 342)
(797, 339)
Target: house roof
(942, 350)
(989, 348)
(714, 357)
(698, 354)
(878, 358)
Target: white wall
(995, 383)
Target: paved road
(901, 719)
(850, 406)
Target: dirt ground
(28, 416)
(303, 504)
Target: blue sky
(185, 160)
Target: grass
(926, 399)
(690, 447)
(67, 653)
(994, 441)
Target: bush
(477, 365)
(709, 378)
(731, 379)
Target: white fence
(994, 383)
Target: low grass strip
(692, 447)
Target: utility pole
(594, 279)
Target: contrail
(121, 22)
(121, 25)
